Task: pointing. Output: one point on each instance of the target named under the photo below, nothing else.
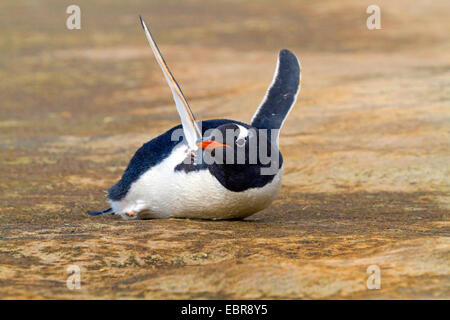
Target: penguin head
(236, 155)
(228, 144)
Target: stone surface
(367, 160)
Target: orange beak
(210, 144)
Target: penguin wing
(281, 94)
(191, 130)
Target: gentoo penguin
(212, 169)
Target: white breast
(165, 193)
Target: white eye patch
(243, 132)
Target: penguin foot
(141, 215)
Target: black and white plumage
(166, 179)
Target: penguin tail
(281, 94)
(97, 213)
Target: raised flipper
(281, 94)
(191, 130)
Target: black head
(241, 157)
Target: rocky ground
(366, 148)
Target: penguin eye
(240, 142)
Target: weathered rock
(366, 149)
